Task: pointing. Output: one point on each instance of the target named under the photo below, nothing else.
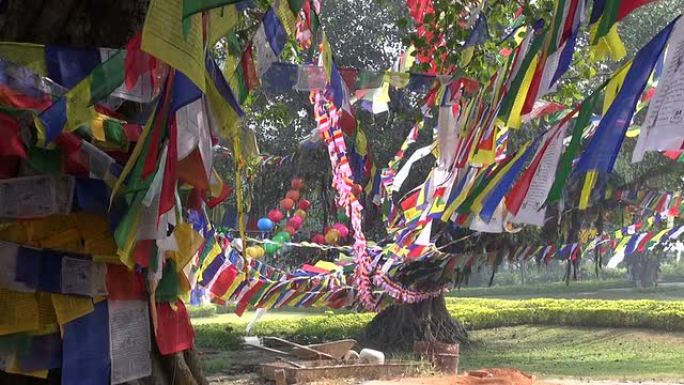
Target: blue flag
(85, 352)
(603, 148)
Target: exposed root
(396, 328)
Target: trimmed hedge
(474, 313)
(491, 313)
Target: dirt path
(451, 381)
(505, 377)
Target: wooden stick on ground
(303, 347)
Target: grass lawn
(548, 352)
(556, 352)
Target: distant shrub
(541, 289)
(202, 311)
(672, 271)
(225, 309)
(218, 337)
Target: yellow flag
(660, 234)
(476, 207)
(614, 85)
(327, 266)
(19, 312)
(322, 300)
(271, 301)
(221, 21)
(361, 142)
(589, 182)
(326, 58)
(25, 54)
(15, 369)
(211, 255)
(609, 45)
(97, 128)
(485, 157)
(623, 243)
(514, 119)
(287, 18)
(133, 159)
(78, 109)
(233, 286)
(46, 314)
(71, 307)
(449, 211)
(188, 241)
(163, 38)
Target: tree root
(396, 328)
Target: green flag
(565, 164)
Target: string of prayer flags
(565, 162)
(22, 88)
(513, 101)
(525, 200)
(601, 152)
(71, 110)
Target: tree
(480, 62)
(353, 47)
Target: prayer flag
(602, 150)
(85, 356)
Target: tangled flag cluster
(104, 207)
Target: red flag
(534, 87)
(174, 332)
(225, 193)
(244, 301)
(124, 284)
(349, 77)
(248, 69)
(74, 160)
(223, 281)
(13, 98)
(627, 6)
(642, 245)
(137, 62)
(10, 138)
(167, 199)
(142, 252)
(154, 145)
(191, 170)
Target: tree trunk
(182, 368)
(396, 328)
(72, 22)
(645, 271)
(90, 23)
